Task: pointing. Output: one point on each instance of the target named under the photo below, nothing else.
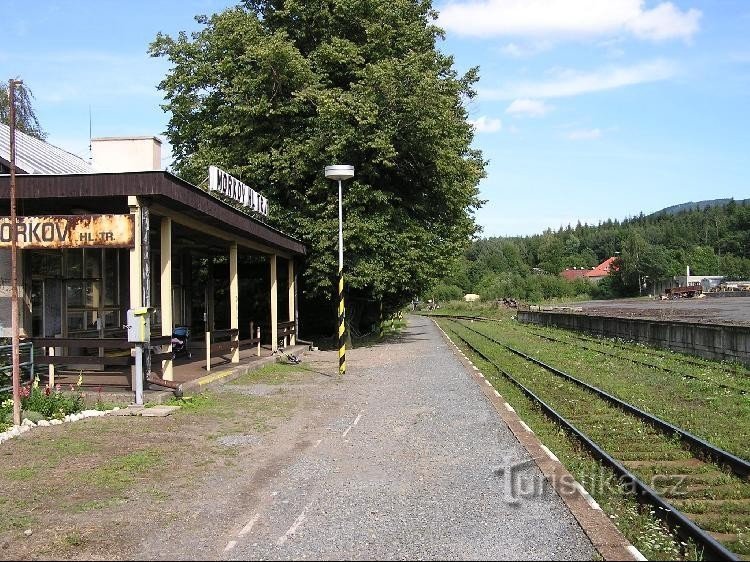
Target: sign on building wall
(69, 231)
(228, 185)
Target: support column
(234, 294)
(274, 305)
(135, 269)
(167, 320)
(292, 293)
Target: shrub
(51, 403)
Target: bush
(444, 293)
(51, 403)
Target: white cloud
(486, 124)
(532, 108)
(571, 19)
(517, 51)
(573, 83)
(584, 134)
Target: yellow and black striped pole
(338, 173)
(342, 326)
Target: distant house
(593, 275)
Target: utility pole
(14, 257)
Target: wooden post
(51, 368)
(292, 293)
(274, 306)
(166, 293)
(234, 304)
(208, 351)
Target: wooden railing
(287, 332)
(230, 342)
(120, 353)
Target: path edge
(607, 539)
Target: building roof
(603, 269)
(34, 156)
(159, 187)
(574, 273)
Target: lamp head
(339, 172)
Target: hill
(697, 206)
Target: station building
(120, 233)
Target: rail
(739, 466)
(676, 520)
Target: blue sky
(587, 109)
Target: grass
(690, 403)
(271, 373)
(23, 473)
(119, 473)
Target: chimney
(126, 154)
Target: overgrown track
(638, 447)
(642, 349)
(574, 339)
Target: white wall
(126, 154)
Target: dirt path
(396, 461)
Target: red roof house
(594, 275)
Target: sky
(585, 109)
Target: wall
(126, 154)
(711, 341)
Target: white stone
(43, 423)
(116, 409)
(28, 422)
(55, 422)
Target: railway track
(642, 349)
(639, 362)
(685, 477)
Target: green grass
(271, 373)
(24, 473)
(119, 473)
(689, 403)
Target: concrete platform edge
(608, 541)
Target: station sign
(69, 231)
(229, 186)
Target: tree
(26, 119)
(273, 91)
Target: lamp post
(340, 173)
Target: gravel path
(404, 466)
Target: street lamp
(340, 173)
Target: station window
(75, 293)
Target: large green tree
(273, 91)
(26, 119)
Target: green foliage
(443, 293)
(713, 241)
(26, 120)
(273, 92)
(50, 403)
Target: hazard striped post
(339, 173)
(342, 325)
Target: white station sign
(229, 186)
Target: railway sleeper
(739, 505)
(722, 522)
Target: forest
(714, 240)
